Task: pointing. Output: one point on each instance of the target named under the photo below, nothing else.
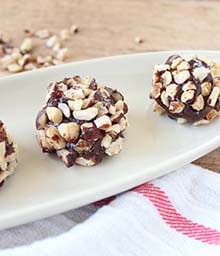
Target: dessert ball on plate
(82, 121)
(187, 89)
(8, 154)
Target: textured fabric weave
(178, 214)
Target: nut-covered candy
(8, 154)
(187, 88)
(82, 121)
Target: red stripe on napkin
(174, 219)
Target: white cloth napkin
(178, 214)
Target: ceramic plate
(154, 145)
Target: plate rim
(108, 58)
(84, 197)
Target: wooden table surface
(108, 27)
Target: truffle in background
(187, 89)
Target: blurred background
(112, 27)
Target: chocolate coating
(82, 121)
(186, 89)
(8, 154)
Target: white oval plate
(154, 146)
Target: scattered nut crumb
(6, 61)
(26, 45)
(57, 62)
(61, 54)
(52, 41)
(14, 68)
(64, 34)
(74, 29)
(17, 59)
(1, 50)
(4, 44)
(138, 40)
(24, 60)
(42, 34)
(28, 32)
(4, 39)
(56, 47)
(30, 66)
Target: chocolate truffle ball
(8, 154)
(186, 89)
(82, 121)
